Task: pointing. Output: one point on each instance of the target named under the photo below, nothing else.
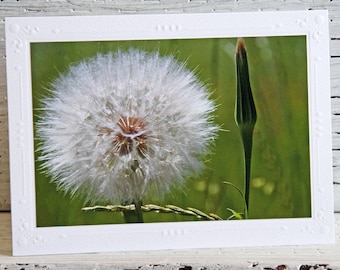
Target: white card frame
(28, 239)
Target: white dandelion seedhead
(118, 124)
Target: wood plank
(334, 47)
(337, 191)
(335, 108)
(222, 258)
(335, 77)
(60, 7)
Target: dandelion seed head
(118, 124)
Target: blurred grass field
(280, 176)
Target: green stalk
(134, 216)
(245, 114)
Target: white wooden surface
(228, 258)
(256, 258)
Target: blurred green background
(280, 176)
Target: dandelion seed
(118, 124)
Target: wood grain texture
(224, 258)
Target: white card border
(31, 240)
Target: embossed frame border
(28, 239)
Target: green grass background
(280, 176)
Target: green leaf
(235, 214)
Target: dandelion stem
(245, 114)
(135, 215)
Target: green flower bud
(245, 113)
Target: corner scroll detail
(20, 33)
(314, 24)
(27, 235)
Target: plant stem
(247, 138)
(134, 216)
(245, 114)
